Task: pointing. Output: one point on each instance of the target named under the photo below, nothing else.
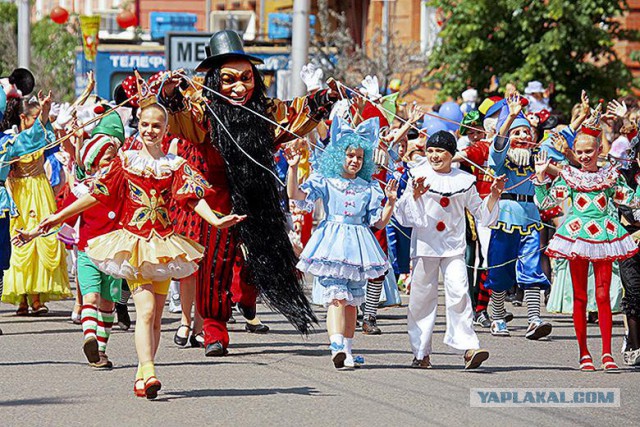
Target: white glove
(65, 115)
(380, 157)
(371, 88)
(340, 109)
(85, 114)
(312, 76)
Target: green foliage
(53, 57)
(52, 52)
(565, 42)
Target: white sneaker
(174, 304)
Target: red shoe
(586, 364)
(139, 391)
(608, 364)
(151, 387)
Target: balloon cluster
(450, 111)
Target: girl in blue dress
(343, 252)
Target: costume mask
(237, 81)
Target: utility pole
(299, 46)
(24, 33)
(385, 42)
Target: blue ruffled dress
(343, 252)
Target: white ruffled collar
(144, 166)
(456, 181)
(590, 181)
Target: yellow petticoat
(40, 266)
(123, 254)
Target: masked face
(521, 137)
(237, 81)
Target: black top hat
(224, 45)
(23, 79)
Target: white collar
(144, 166)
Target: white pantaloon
(423, 304)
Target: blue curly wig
(331, 162)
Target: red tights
(579, 273)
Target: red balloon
(126, 19)
(59, 15)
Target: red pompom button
(444, 202)
(440, 226)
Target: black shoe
(231, 319)
(215, 349)
(369, 326)
(182, 341)
(508, 317)
(517, 303)
(482, 319)
(124, 321)
(197, 340)
(0, 331)
(592, 317)
(256, 329)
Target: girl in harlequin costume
(343, 251)
(589, 234)
(38, 270)
(435, 208)
(146, 251)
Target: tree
(344, 60)
(565, 42)
(52, 52)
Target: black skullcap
(443, 139)
(413, 133)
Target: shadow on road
(300, 391)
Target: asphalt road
(287, 380)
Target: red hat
(130, 87)
(370, 111)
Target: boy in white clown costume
(435, 210)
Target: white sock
(348, 345)
(337, 338)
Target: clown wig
(331, 162)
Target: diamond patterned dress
(591, 229)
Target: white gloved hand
(85, 114)
(65, 115)
(312, 76)
(340, 109)
(371, 88)
(380, 157)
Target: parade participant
(438, 193)
(99, 291)
(589, 234)
(236, 150)
(343, 252)
(146, 251)
(477, 152)
(630, 268)
(516, 236)
(38, 270)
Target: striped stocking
(105, 322)
(89, 317)
(497, 305)
(532, 298)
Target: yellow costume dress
(39, 267)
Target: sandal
(586, 364)
(22, 310)
(139, 391)
(609, 365)
(38, 309)
(179, 340)
(151, 387)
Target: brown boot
(369, 326)
(103, 363)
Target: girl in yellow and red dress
(146, 251)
